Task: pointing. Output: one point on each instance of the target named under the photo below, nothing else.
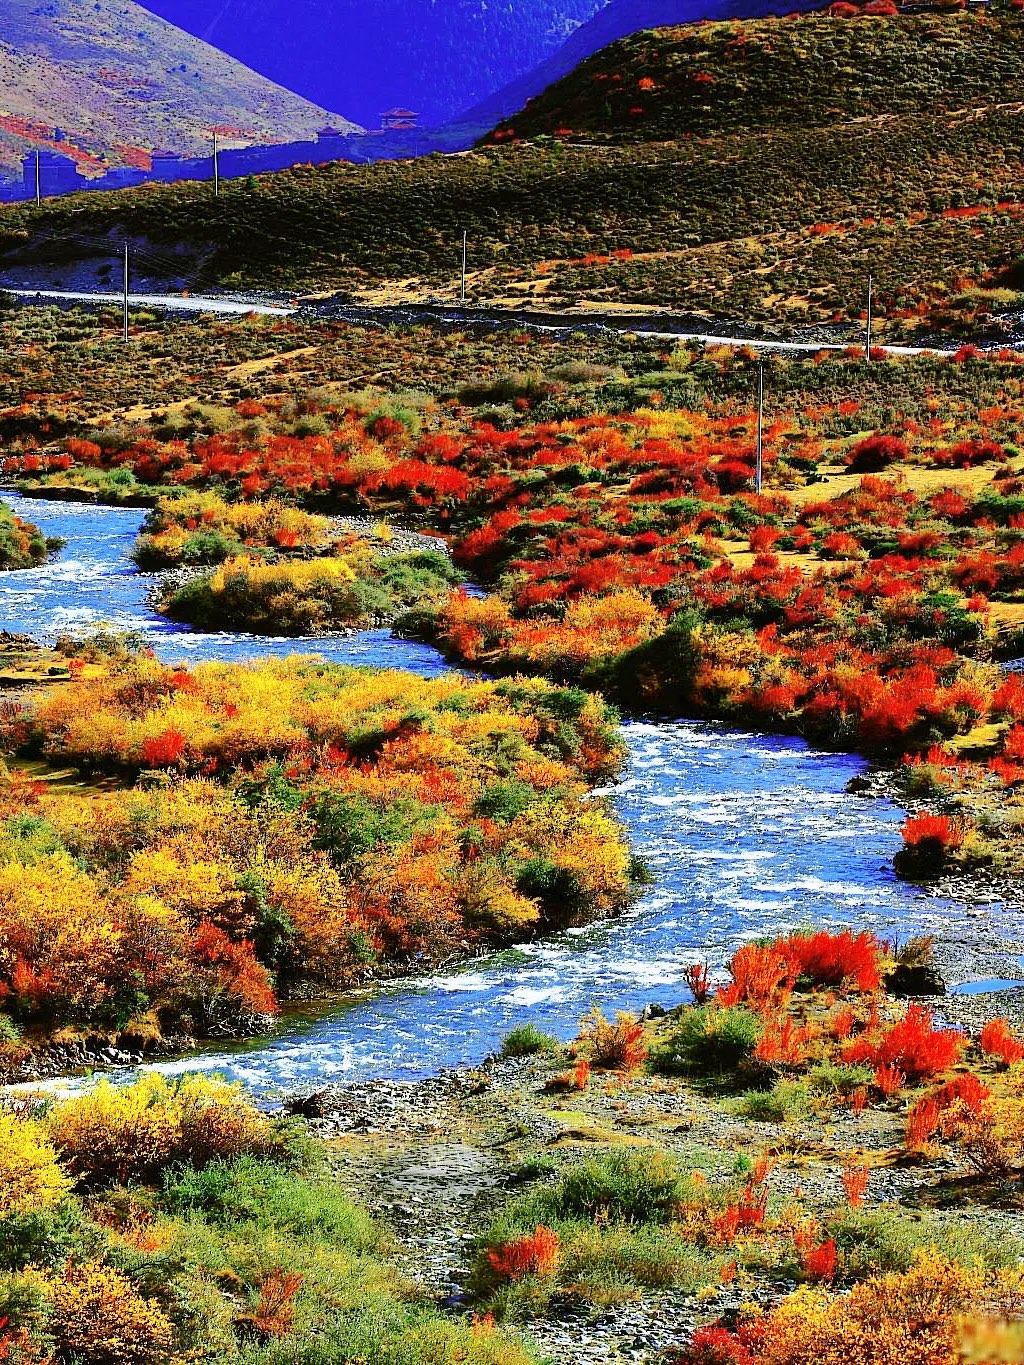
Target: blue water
(747, 835)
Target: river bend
(747, 834)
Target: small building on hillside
(57, 174)
(398, 121)
(166, 165)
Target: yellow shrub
(31, 1179)
(98, 1318)
(593, 628)
(910, 1318)
(116, 1134)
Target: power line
(759, 476)
(126, 292)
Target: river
(747, 834)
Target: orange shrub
(761, 976)
(998, 1041)
(621, 1046)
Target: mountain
(618, 19)
(435, 57)
(120, 82)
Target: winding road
(643, 325)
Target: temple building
(398, 121)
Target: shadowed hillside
(618, 19)
(707, 79)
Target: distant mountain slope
(616, 20)
(715, 78)
(768, 193)
(435, 57)
(121, 82)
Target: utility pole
(126, 292)
(216, 165)
(871, 305)
(465, 261)
(759, 477)
(39, 191)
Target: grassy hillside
(777, 223)
(121, 82)
(618, 19)
(705, 79)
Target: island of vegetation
(289, 827)
(281, 571)
(22, 545)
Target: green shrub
(526, 1040)
(606, 1265)
(708, 1040)
(786, 1102)
(874, 1241)
(264, 1195)
(837, 1078)
(629, 1185)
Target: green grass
(785, 1102)
(212, 1239)
(612, 1215)
(708, 1041)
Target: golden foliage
(113, 1134)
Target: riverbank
(438, 1161)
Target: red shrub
(913, 1045)
(698, 978)
(240, 976)
(890, 1080)
(876, 452)
(997, 1040)
(855, 1184)
(932, 834)
(164, 751)
(828, 959)
(922, 1125)
(714, 1345)
(536, 1254)
(1008, 699)
(819, 1262)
